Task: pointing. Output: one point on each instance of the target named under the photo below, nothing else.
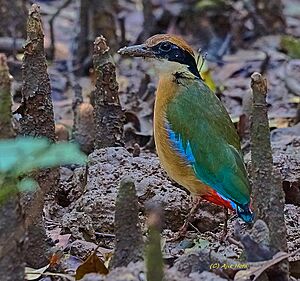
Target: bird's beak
(137, 51)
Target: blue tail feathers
(245, 213)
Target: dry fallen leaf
(60, 239)
(33, 274)
(65, 276)
(257, 268)
(295, 268)
(294, 100)
(93, 264)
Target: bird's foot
(223, 236)
(225, 227)
(189, 219)
(181, 232)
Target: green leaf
(205, 72)
(210, 4)
(207, 77)
(291, 45)
(7, 188)
(200, 244)
(54, 155)
(27, 184)
(26, 154)
(11, 186)
(18, 150)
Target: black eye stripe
(176, 54)
(165, 46)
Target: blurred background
(231, 40)
(237, 37)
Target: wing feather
(201, 130)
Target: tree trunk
(13, 18)
(83, 44)
(6, 129)
(153, 255)
(83, 122)
(129, 237)
(103, 21)
(268, 195)
(38, 121)
(12, 231)
(96, 18)
(149, 23)
(12, 237)
(269, 17)
(108, 114)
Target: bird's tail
(217, 199)
(245, 213)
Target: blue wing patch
(184, 149)
(233, 205)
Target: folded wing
(200, 130)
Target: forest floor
(82, 215)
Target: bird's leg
(225, 227)
(190, 218)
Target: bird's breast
(175, 165)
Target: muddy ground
(81, 215)
(84, 211)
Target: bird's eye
(166, 46)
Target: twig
(123, 41)
(51, 24)
(194, 227)
(104, 235)
(265, 63)
(11, 45)
(235, 242)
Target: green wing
(201, 130)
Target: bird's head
(170, 53)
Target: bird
(196, 141)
